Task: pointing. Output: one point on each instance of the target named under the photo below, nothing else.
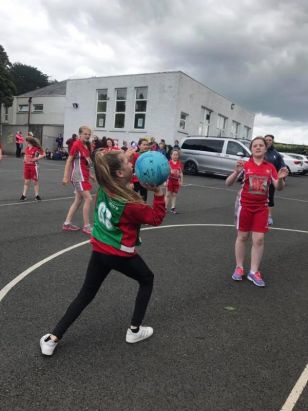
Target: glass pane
(120, 106)
(119, 121)
(141, 93)
(102, 94)
(183, 116)
(139, 121)
(101, 106)
(141, 106)
(121, 93)
(100, 120)
(182, 124)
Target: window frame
(118, 100)
(101, 114)
(140, 114)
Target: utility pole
(29, 112)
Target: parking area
(217, 344)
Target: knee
(258, 241)
(242, 238)
(148, 279)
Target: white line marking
(301, 382)
(230, 189)
(34, 201)
(296, 392)
(29, 270)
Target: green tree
(27, 78)
(7, 87)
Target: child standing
(252, 215)
(175, 180)
(33, 154)
(77, 170)
(119, 212)
(143, 146)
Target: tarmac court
(217, 344)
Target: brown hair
(258, 138)
(34, 142)
(269, 135)
(106, 167)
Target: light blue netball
(152, 168)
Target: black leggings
(99, 267)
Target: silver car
(215, 155)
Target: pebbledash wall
(169, 105)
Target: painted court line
(296, 392)
(4, 291)
(301, 382)
(230, 189)
(34, 201)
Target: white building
(168, 105)
(40, 111)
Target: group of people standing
(120, 210)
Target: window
(246, 132)
(140, 106)
(38, 107)
(101, 108)
(120, 108)
(235, 129)
(204, 122)
(213, 146)
(23, 108)
(183, 120)
(221, 124)
(234, 149)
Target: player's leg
(68, 226)
(87, 200)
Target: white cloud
(293, 132)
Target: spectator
(124, 147)
(59, 141)
(176, 145)
(19, 139)
(71, 141)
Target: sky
(253, 52)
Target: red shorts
(252, 219)
(82, 186)
(173, 185)
(31, 172)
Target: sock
(252, 272)
(135, 330)
(67, 222)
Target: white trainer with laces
(142, 334)
(47, 347)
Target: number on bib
(104, 216)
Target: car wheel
(190, 168)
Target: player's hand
(92, 177)
(156, 189)
(65, 181)
(283, 172)
(239, 166)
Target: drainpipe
(29, 112)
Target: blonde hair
(106, 167)
(34, 142)
(82, 128)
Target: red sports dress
(252, 214)
(31, 167)
(173, 182)
(81, 166)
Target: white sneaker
(47, 347)
(142, 334)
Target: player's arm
(67, 170)
(234, 176)
(279, 183)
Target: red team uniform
(173, 182)
(31, 167)
(81, 168)
(252, 214)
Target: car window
(213, 146)
(234, 148)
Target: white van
(216, 155)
